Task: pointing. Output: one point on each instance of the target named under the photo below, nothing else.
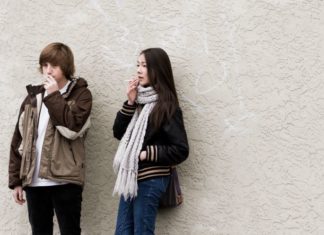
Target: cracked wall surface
(249, 75)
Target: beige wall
(250, 79)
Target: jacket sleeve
(72, 135)
(15, 157)
(123, 118)
(177, 148)
(71, 115)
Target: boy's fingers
(14, 195)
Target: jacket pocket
(66, 162)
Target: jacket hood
(80, 82)
(76, 83)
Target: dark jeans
(137, 216)
(64, 199)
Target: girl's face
(142, 75)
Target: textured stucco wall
(250, 80)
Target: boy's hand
(50, 84)
(18, 195)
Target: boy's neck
(62, 83)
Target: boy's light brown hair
(58, 54)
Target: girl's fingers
(132, 85)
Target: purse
(173, 196)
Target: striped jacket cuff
(152, 153)
(128, 110)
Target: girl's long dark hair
(161, 79)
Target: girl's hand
(142, 156)
(132, 91)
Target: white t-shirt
(42, 125)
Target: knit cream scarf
(127, 155)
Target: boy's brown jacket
(63, 153)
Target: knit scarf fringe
(126, 159)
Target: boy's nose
(49, 69)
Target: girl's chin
(144, 84)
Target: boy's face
(53, 70)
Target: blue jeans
(137, 216)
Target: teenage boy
(47, 150)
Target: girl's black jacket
(165, 147)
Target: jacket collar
(76, 82)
